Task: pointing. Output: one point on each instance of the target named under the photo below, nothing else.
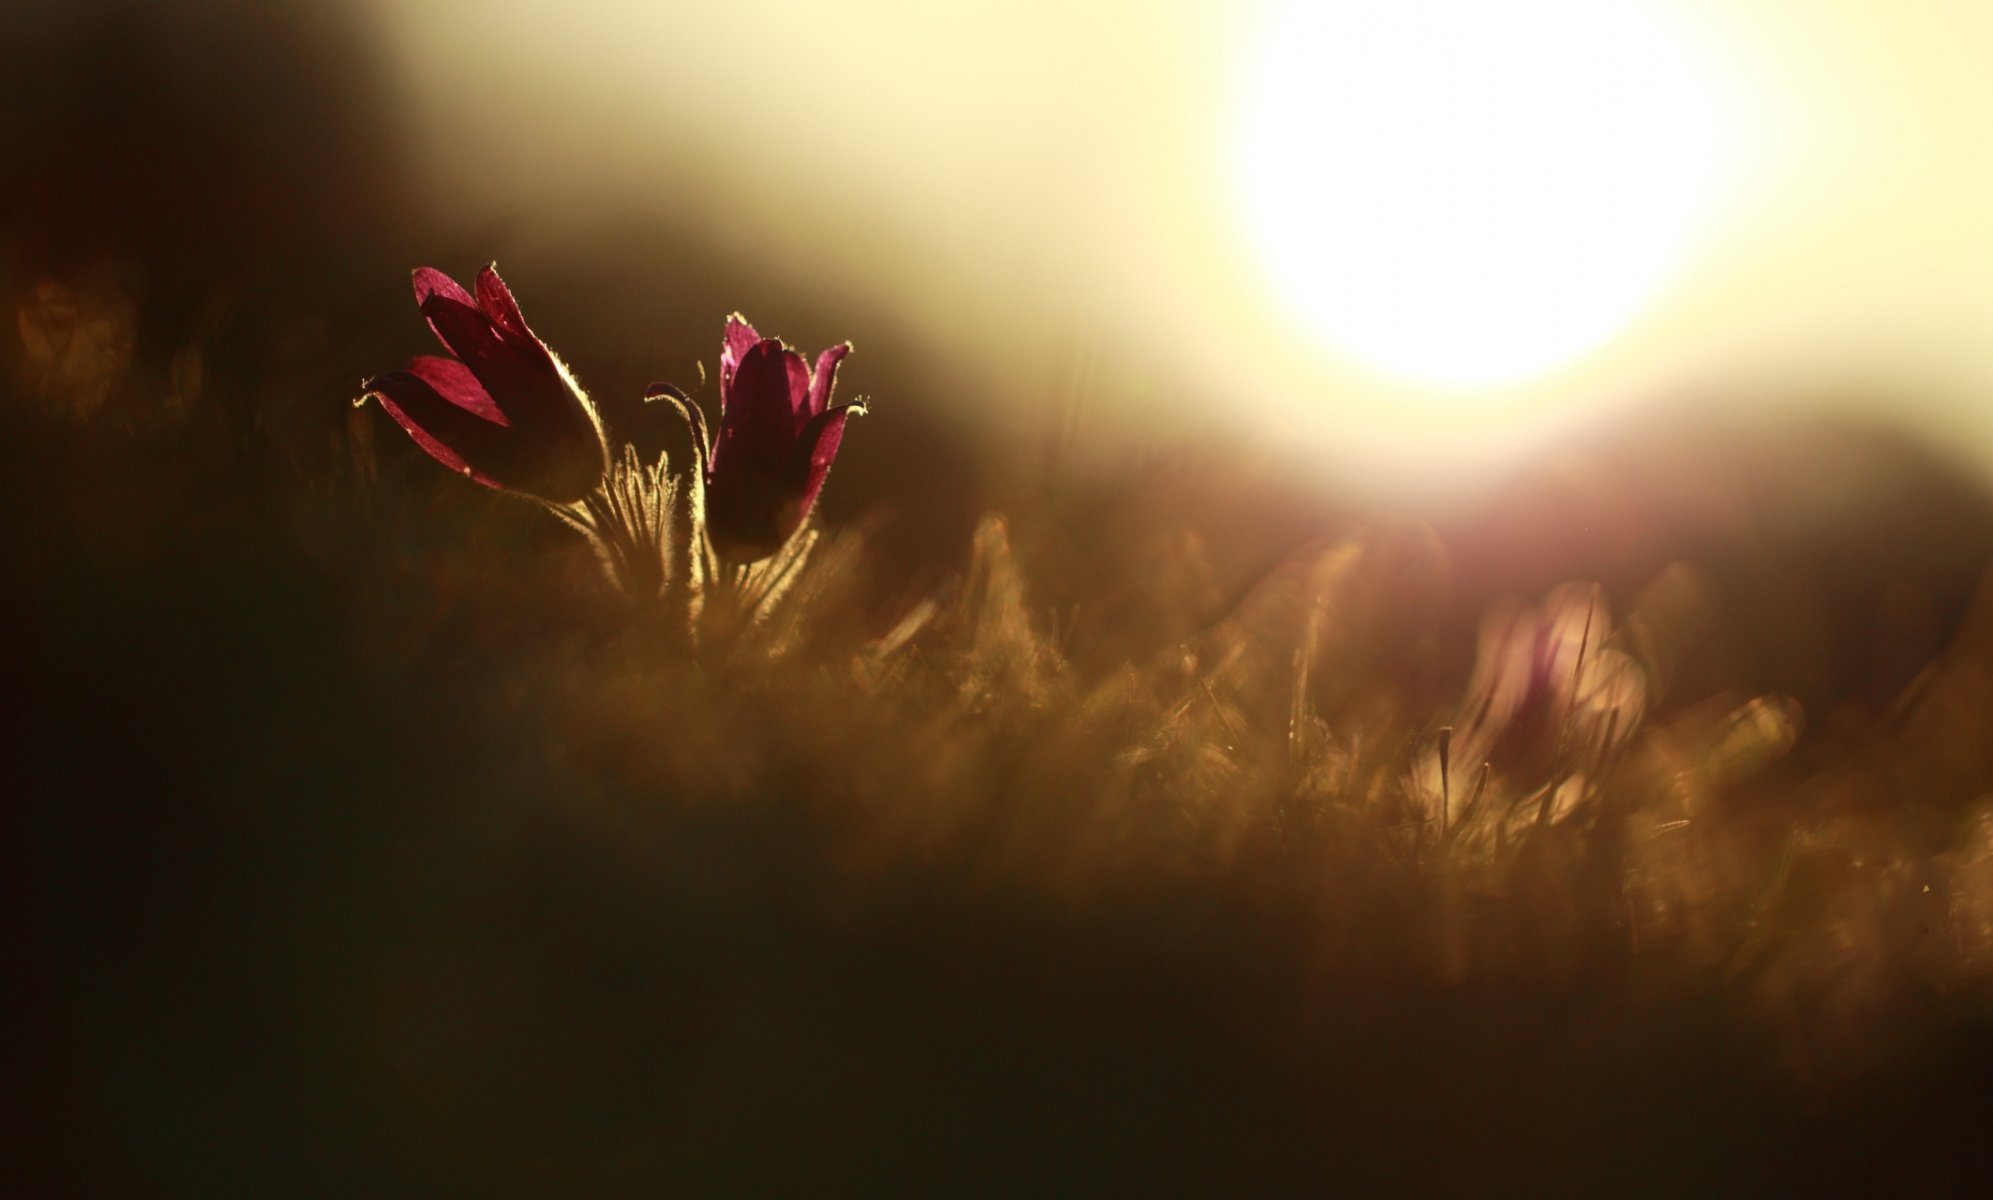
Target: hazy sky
(1016, 174)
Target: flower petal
(481, 331)
(453, 381)
(797, 369)
(825, 377)
(816, 449)
(495, 299)
(465, 329)
(431, 282)
(757, 421)
(466, 332)
(740, 338)
(518, 372)
(450, 432)
(504, 410)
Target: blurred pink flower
(1548, 676)
(778, 436)
(504, 411)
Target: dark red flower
(778, 436)
(504, 411)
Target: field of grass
(1108, 804)
(367, 843)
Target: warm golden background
(1046, 228)
(1342, 373)
(1022, 185)
(1034, 215)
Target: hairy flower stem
(629, 521)
(650, 539)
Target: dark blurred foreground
(358, 843)
(361, 843)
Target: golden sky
(1014, 175)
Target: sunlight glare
(1464, 195)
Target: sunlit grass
(566, 886)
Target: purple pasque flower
(778, 436)
(1549, 679)
(504, 411)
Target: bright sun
(1464, 194)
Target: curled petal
(824, 378)
(815, 451)
(672, 394)
(495, 300)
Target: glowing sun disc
(1465, 194)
